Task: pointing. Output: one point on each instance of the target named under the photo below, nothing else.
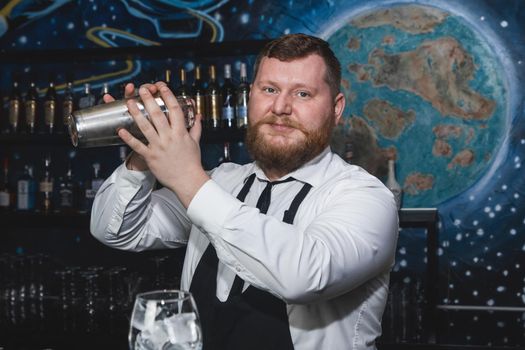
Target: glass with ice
(165, 320)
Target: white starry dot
(501, 289)
(457, 222)
(487, 209)
(499, 254)
(517, 165)
(440, 252)
(523, 248)
(504, 187)
(489, 268)
(513, 210)
(22, 39)
(501, 324)
(482, 18)
(70, 25)
(516, 159)
(468, 273)
(287, 31)
(517, 266)
(504, 24)
(475, 222)
(520, 62)
(403, 263)
(497, 207)
(453, 263)
(490, 302)
(512, 231)
(475, 318)
(445, 244)
(475, 293)
(480, 232)
(485, 249)
(407, 280)
(475, 259)
(522, 140)
(491, 215)
(516, 195)
(451, 286)
(471, 197)
(505, 273)
(402, 251)
(459, 236)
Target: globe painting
(424, 88)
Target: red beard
(285, 159)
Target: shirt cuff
(211, 206)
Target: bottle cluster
(48, 190)
(223, 105)
(30, 110)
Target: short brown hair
(293, 46)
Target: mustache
(284, 121)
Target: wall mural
(438, 85)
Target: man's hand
(172, 153)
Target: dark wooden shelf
(208, 136)
(23, 219)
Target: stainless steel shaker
(98, 125)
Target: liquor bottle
(241, 103)
(103, 91)
(228, 100)
(45, 187)
(392, 183)
(198, 92)
(213, 100)
(68, 104)
(14, 108)
(6, 193)
(87, 99)
(50, 109)
(91, 188)
(182, 89)
(26, 190)
(30, 108)
(67, 192)
(225, 158)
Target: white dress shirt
(331, 266)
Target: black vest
(253, 319)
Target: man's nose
(282, 105)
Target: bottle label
(49, 112)
(14, 112)
(200, 105)
(66, 198)
(30, 112)
(23, 199)
(228, 113)
(67, 110)
(242, 116)
(46, 186)
(86, 101)
(214, 108)
(4, 199)
(90, 193)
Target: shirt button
(238, 269)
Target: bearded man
(291, 251)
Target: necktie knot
(266, 196)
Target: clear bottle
(199, 95)
(14, 108)
(50, 109)
(241, 103)
(45, 187)
(26, 190)
(68, 104)
(228, 100)
(392, 183)
(30, 108)
(6, 192)
(87, 99)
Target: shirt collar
(313, 172)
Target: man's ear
(339, 107)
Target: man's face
(291, 113)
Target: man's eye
(269, 90)
(303, 94)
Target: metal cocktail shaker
(98, 125)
